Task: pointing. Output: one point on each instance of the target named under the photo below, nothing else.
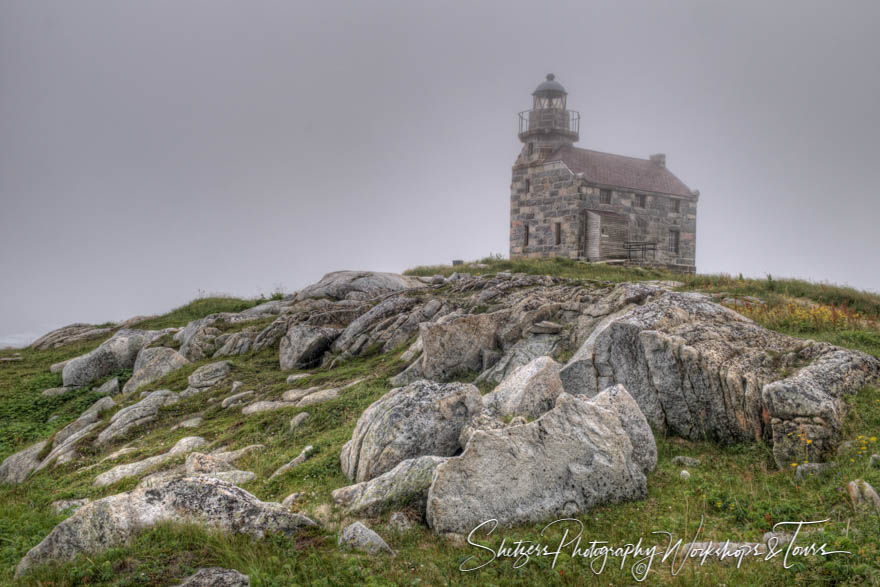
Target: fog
(152, 152)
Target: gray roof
(620, 171)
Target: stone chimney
(659, 159)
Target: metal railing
(571, 124)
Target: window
(528, 186)
(526, 235)
(640, 200)
(673, 241)
(604, 196)
(531, 148)
(676, 206)
(557, 233)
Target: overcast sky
(154, 150)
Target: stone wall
(543, 195)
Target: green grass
(738, 491)
(197, 309)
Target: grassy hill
(737, 491)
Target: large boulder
(423, 418)
(405, 485)
(528, 391)
(151, 365)
(699, 370)
(302, 346)
(458, 346)
(115, 354)
(111, 521)
(573, 458)
(357, 285)
(136, 415)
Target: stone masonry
(583, 204)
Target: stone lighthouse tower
(548, 125)
(583, 204)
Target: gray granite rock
(700, 370)
(68, 335)
(683, 461)
(113, 520)
(573, 458)
(151, 365)
(423, 418)
(136, 415)
(237, 399)
(298, 460)
(119, 472)
(303, 345)
(113, 355)
(209, 375)
(358, 537)
(405, 485)
(216, 577)
(16, 467)
(357, 285)
(109, 387)
(529, 391)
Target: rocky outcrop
(64, 441)
(236, 343)
(112, 356)
(136, 415)
(151, 365)
(111, 521)
(378, 326)
(119, 472)
(527, 391)
(59, 449)
(576, 456)
(68, 335)
(699, 370)
(423, 418)
(405, 485)
(303, 345)
(357, 285)
(203, 338)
